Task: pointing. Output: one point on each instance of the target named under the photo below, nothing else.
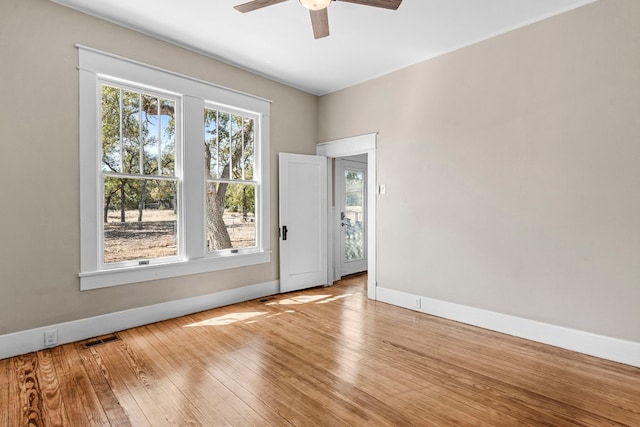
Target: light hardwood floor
(325, 356)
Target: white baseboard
(617, 350)
(32, 340)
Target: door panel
(303, 214)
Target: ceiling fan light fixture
(315, 4)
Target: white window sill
(142, 273)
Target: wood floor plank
(68, 389)
(129, 385)
(5, 399)
(81, 401)
(134, 414)
(15, 416)
(98, 378)
(54, 411)
(320, 357)
(29, 393)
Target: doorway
(358, 145)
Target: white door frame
(363, 144)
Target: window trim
(96, 66)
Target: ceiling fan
(318, 10)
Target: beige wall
(39, 199)
(512, 170)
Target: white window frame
(96, 66)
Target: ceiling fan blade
(320, 23)
(387, 4)
(256, 4)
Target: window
(231, 189)
(140, 205)
(164, 193)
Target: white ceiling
(365, 42)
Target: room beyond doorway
(351, 219)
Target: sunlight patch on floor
(229, 319)
(336, 298)
(252, 316)
(301, 299)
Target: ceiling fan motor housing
(315, 4)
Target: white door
(351, 186)
(303, 221)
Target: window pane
(354, 215)
(248, 149)
(140, 217)
(229, 146)
(236, 147)
(168, 137)
(230, 216)
(131, 131)
(224, 144)
(150, 135)
(211, 143)
(110, 115)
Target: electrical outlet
(51, 338)
(416, 302)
